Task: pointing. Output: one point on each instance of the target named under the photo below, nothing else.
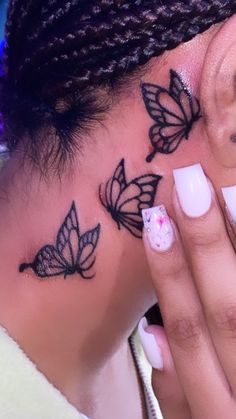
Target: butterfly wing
(150, 93)
(161, 106)
(47, 263)
(138, 195)
(174, 112)
(87, 245)
(68, 238)
(166, 139)
(53, 261)
(169, 129)
(132, 223)
(176, 85)
(190, 106)
(114, 187)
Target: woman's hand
(194, 273)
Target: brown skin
(75, 330)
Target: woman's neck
(74, 330)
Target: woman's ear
(218, 94)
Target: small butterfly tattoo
(73, 253)
(174, 111)
(126, 200)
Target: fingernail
(158, 227)
(193, 190)
(150, 346)
(229, 194)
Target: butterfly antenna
(24, 266)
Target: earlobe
(218, 94)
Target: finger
(229, 194)
(213, 261)
(166, 385)
(197, 366)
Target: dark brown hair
(60, 54)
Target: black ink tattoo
(73, 253)
(174, 111)
(125, 201)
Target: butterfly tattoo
(126, 200)
(174, 111)
(73, 252)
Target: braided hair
(60, 55)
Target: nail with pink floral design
(158, 227)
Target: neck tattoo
(174, 110)
(125, 200)
(72, 254)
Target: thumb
(165, 382)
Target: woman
(101, 102)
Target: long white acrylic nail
(150, 345)
(193, 190)
(229, 194)
(158, 227)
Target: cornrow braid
(52, 16)
(154, 39)
(61, 51)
